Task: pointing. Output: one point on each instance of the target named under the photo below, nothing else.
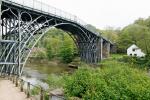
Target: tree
(110, 34)
(58, 43)
(67, 50)
(133, 34)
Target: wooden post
(28, 90)
(9, 77)
(16, 81)
(21, 85)
(41, 94)
(13, 78)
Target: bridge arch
(20, 27)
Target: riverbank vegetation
(141, 63)
(113, 79)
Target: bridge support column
(108, 48)
(90, 52)
(85, 52)
(101, 49)
(98, 50)
(19, 41)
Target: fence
(37, 92)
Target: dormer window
(133, 49)
(135, 55)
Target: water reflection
(36, 71)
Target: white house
(134, 50)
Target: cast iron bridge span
(24, 22)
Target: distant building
(134, 50)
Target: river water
(37, 70)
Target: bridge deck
(8, 91)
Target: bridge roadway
(8, 91)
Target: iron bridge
(24, 22)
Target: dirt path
(8, 91)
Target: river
(37, 70)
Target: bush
(66, 54)
(36, 92)
(143, 62)
(115, 82)
(49, 52)
(128, 59)
(55, 81)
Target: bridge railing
(37, 5)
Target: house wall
(137, 52)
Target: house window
(130, 54)
(135, 55)
(133, 49)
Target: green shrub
(55, 81)
(116, 82)
(35, 91)
(140, 62)
(49, 52)
(66, 53)
(128, 59)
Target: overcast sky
(104, 13)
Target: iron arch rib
(21, 24)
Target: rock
(57, 92)
(75, 98)
(73, 66)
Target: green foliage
(35, 91)
(111, 34)
(49, 52)
(57, 43)
(66, 54)
(143, 22)
(55, 81)
(128, 59)
(116, 81)
(67, 51)
(133, 34)
(137, 33)
(143, 62)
